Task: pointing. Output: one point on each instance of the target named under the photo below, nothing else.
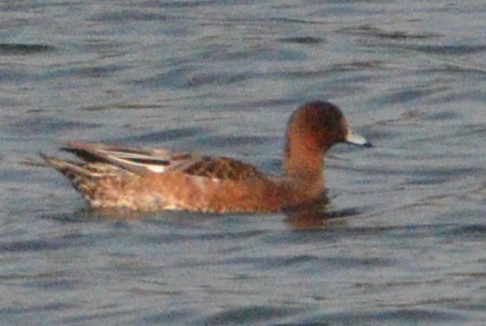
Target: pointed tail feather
(66, 167)
(83, 179)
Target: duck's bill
(356, 139)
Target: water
(407, 244)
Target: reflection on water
(318, 219)
(401, 238)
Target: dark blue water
(404, 237)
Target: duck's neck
(304, 172)
(301, 161)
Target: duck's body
(152, 180)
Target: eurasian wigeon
(152, 180)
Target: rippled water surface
(407, 241)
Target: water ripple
(24, 48)
(252, 314)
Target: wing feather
(144, 161)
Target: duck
(140, 179)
